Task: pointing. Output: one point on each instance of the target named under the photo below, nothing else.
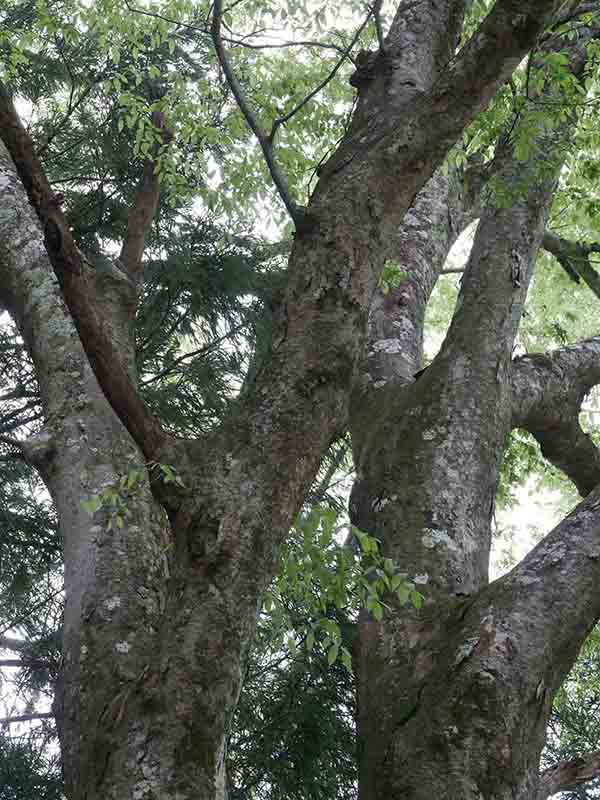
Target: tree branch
(345, 54)
(202, 351)
(573, 13)
(229, 39)
(27, 717)
(570, 774)
(71, 273)
(143, 209)
(378, 27)
(547, 394)
(8, 643)
(296, 212)
(574, 258)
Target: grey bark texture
(453, 700)
(160, 613)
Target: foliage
(293, 736)
(27, 770)
(523, 463)
(89, 77)
(574, 727)
(327, 573)
(391, 277)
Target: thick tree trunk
(158, 615)
(453, 700)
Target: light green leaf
(92, 505)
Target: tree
(163, 583)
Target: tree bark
(159, 614)
(453, 700)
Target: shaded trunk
(453, 700)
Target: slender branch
(573, 257)
(18, 393)
(573, 13)
(22, 617)
(8, 643)
(319, 492)
(11, 420)
(286, 117)
(200, 352)
(296, 212)
(378, 27)
(569, 775)
(453, 271)
(27, 717)
(22, 662)
(205, 31)
(68, 114)
(143, 209)
(10, 441)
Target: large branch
(70, 270)
(541, 613)
(574, 258)
(420, 132)
(547, 394)
(569, 775)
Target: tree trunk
(159, 612)
(453, 700)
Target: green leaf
(92, 505)
(346, 659)
(403, 594)
(332, 654)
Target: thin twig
(286, 117)
(567, 16)
(68, 114)
(40, 604)
(200, 352)
(378, 27)
(205, 31)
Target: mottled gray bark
(453, 700)
(419, 247)
(115, 582)
(548, 390)
(158, 616)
